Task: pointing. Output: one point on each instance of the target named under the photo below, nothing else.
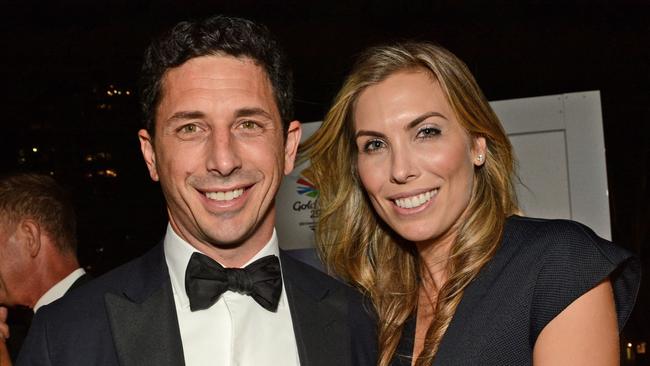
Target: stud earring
(479, 158)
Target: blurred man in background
(38, 261)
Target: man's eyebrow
(242, 112)
(252, 111)
(183, 115)
(421, 118)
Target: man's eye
(248, 125)
(190, 128)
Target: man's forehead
(228, 70)
(221, 75)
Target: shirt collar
(57, 291)
(178, 253)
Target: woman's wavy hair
(354, 242)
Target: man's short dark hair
(218, 35)
(39, 197)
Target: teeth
(415, 201)
(225, 196)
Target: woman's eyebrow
(368, 133)
(421, 118)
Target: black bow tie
(206, 280)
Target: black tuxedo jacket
(127, 317)
(20, 321)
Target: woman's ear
(479, 151)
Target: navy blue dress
(541, 267)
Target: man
(38, 260)
(219, 136)
(5, 360)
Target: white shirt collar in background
(57, 291)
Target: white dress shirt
(236, 330)
(57, 291)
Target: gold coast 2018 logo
(307, 189)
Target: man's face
(14, 266)
(219, 152)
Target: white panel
(586, 152)
(578, 116)
(545, 189)
(525, 115)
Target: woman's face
(415, 160)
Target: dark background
(60, 59)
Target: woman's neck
(434, 260)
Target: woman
(418, 210)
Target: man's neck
(49, 293)
(233, 255)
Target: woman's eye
(373, 145)
(428, 132)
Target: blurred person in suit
(38, 245)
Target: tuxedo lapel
(318, 313)
(143, 317)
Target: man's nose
(223, 156)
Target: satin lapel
(143, 318)
(318, 313)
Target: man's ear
(148, 153)
(479, 151)
(294, 133)
(28, 233)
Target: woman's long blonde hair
(352, 239)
